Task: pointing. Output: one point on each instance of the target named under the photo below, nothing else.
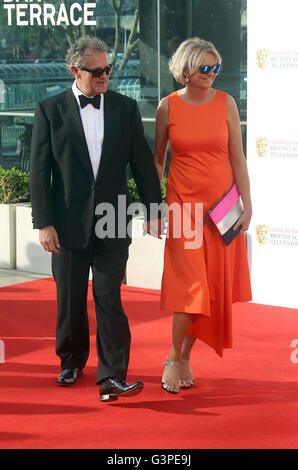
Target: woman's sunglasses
(96, 73)
(204, 69)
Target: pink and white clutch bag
(226, 213)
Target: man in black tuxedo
(82, 141)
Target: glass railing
(15, 138)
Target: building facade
(141, 35)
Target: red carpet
(248, 399)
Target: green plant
(132, 187)
(164, 188)
(14, 186)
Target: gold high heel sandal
(176, 387)
(186, 384)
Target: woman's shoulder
(224, 95)
(231, 102)
(221, 94)
(172, 95)
(164, 103)
(226, 98)
(162, 112)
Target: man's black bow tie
(95, 101)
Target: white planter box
(7, 236)
(144, 267)
(145, 262)
(30, 256)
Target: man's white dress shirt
(93, 125)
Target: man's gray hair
(75, 54)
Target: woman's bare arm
(161, 136)
(238, 162)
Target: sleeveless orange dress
(203, 281)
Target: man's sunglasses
(99, 71)
(204, 69)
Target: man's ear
(75, 71)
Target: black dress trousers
(71, 273)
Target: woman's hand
(244, 221)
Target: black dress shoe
(114, 387)
(69, 376)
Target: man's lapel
(72, 120)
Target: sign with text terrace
(38, 13)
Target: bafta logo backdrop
(262, 58)
(262, 146)
(262, 232)
(272, 150)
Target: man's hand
(48, 239)
(154, 227)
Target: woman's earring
(186, 80)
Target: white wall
(272, 149)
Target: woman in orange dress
(200, 284)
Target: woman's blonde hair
(189, 55)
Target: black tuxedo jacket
(62, 186)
